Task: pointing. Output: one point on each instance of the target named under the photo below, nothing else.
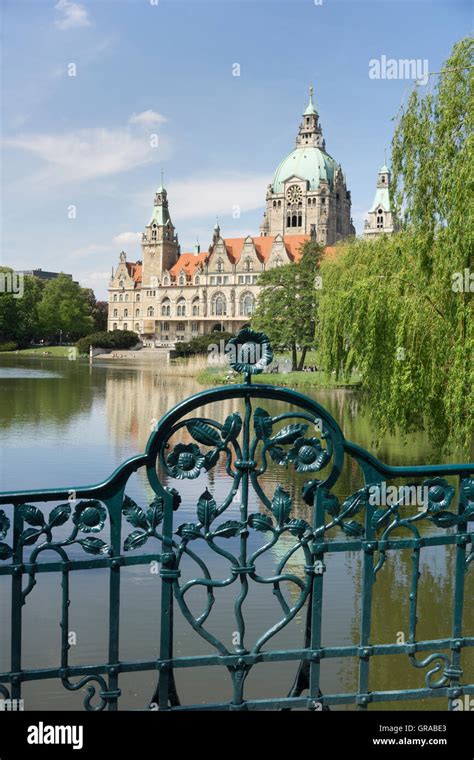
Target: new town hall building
(171, 296)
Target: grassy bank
(217, 376)
(42, 351)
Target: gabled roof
(134, 271)
(191, 263)
(188, 262)
(263, 245)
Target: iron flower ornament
(186, 461)
(249, 352)
(89, 516)
(308, 455)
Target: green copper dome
(309, 163)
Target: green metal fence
(304, 437)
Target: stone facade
(171, 296)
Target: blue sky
(165, 68)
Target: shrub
(9, 345)
(115, 339)
(201, 344)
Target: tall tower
(380, 219)
(308, 194)
(159, 241)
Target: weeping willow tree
(400, 309)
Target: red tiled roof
(263, 245)
(188, 262)
(134, 270)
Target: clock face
(294, 194)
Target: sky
(101, 96)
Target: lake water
(66, 424)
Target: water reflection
(74, 424)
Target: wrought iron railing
(70, 537)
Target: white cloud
(87, 154)
(72, 15)
(89, 250)
(94, 280)
(147, 118)
(127, 238)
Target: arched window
(125, 326)
(125, 312)
(288, 221)
(137, 312)
(220, 265)
(120, 297)
(196, 280)
(300, 221)
(195, 307)
(126, 296)
(115, 312)
(114, 326)
(138, 297)
(165, 307)
(153, 232)
(278, 261)
(380, 219)
(247, 304)
(181, 307)
(150, 312)
(166, 280)
(182, 279)
(248, 264)
(137, 327)
(294, 221)
(219, 305)
(115, 296)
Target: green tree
(99, 310)
(400, 309)
(287, 304)
(19, 311)
(100, 313)
(28, 317)
(65, 307)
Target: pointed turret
(310, 132)
(311, 108)
(379, 219)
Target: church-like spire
(311, 108)
(161, 214)
(310, 132)
(380, 218)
